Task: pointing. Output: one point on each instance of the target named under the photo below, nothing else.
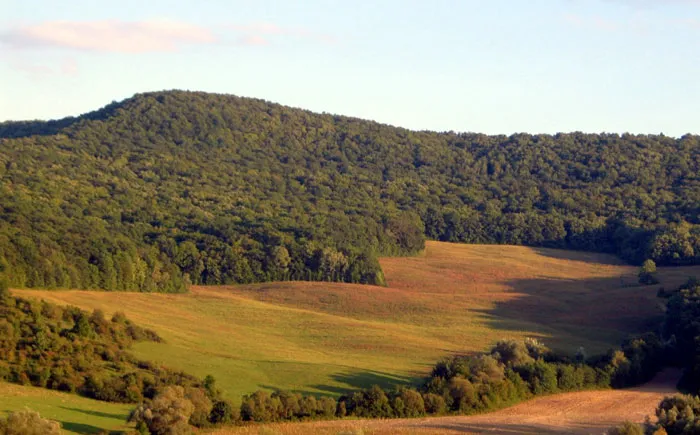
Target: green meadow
(76, 414)
(327, 338)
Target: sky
(488, 66)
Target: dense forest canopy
(169, 188)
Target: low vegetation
(68, 349)
(76, 414)
(28, 423)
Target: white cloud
(109, 35)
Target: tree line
(168, 189)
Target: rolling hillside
(326, 338)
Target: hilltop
(168, 189)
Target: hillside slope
(169, 188)
(328, 338)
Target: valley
(327, 338)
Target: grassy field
(76, 414)
(327, 338)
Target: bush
(434, 404)
(28, 423)
(414, 405)
(4, 291)
(679, 415)
(647, 273)
(168, 413)
(202, 406)
(223, 413)
(627, 428)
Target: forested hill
(174, 187)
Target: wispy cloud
(109, 35)
(66, 66)
(264, 33)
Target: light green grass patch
(76, 414)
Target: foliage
(510, 372)
(283, 405)
(679, 415)
(168, 413)
(223, 412)
(171, 188)
(67, 349)
(515, 371)
(627, 428)
(647, 273)
(28, 423)
(4, 291)
(682, 328)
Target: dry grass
(326, 338)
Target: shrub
(434, 404)
(168, 413)
(627, 428)
(511, 353)
(28, 423)
(647, 273)
(414, 405)
(202, 406)
(679, 415)
(223, 413)
(4, 291)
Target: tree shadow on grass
(121, 417)
(82, 428)
(583, 256)
(570, 312)
(357, 381)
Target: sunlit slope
(328, 338)
(76, 414)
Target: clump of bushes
(679, 415)
(28, 423)
(511, 372)
(174, 409)
(627, 428)
(68, 349)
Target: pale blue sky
(492, 66)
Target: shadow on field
(357, 381)
(96, 413)
(570, 313)
(593, 257)
(81, 428)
